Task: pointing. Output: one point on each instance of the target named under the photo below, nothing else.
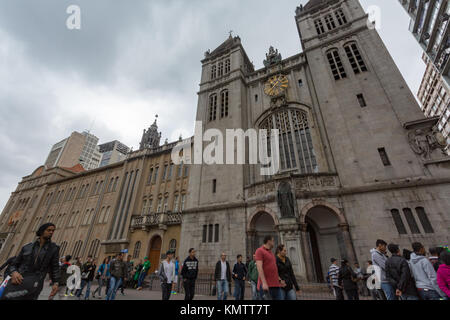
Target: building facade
(358, 159)
(434, 95)
(134, 204)
(112, 152)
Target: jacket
(379, 259)
(64, 275)
(88, 269)
(118, 269)
(399, 275)
(424, 273)
(102, 269)
(218, 271)
(138, 269)
(239, 271)
(7, 265)
(252, 272)
(286, 273)
(190, 269)
(443, 279)
(163, 277)
(345, 277)
(34, 259)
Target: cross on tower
(231, 33)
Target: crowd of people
(402, 276)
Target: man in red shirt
(269, 283)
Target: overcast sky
(132, 60)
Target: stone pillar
(291, 238)
(307, 253)
(344, 227)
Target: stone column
(250, 242)
(307, 253)
(291, 238)
(344, 227)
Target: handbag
(30, 287)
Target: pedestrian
(399, 275)
(167, 275)
(189, 272)
(443, 274)
(118, 270)
(34, 262)
(379, 258)
(424, 274)
(434, 257)
(62, 288)
(252, 276)
(7, 265)
(143, 273)
(239, 276)
(361, 284)
(87, 276)
(102, 278)
(286, 273)
(269, 283)
(222, 276)
(137, 271)
(129, 265)
(348, 279)
(371, 292)
(177, 272)
(333, 274)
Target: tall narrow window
(213, 72)
(165, 204)
(224, 104)
(220, 73)
(144, 207)
(158, 209)
(227, 66)
(150, 176)
(137, 249)
(384, 157)
(355, 58)
(204, 234)
(329, 21)
(214, 186)
(115, 184)
(169, 174)
(212, 107)
(175, 203)
(183, 200)
(164, 173)
(411, 221)
(319, 26)
(110, 186)
(398, 221)
(210, 233)
(216, 233)
(426, 224)
(361, 100)
(180, 170)
(155, 177)
(340, 16)
(337, 68)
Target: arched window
(175, 203)
(213, 72)
(296, 147)
(426, 224)
(355, 58)
(63, 247)
(212, 107)
(115, 184)
(144, 207)
(166, 199)
(337, 68)
(173, 245)
(398, 221)
(110, 186)
(93, 250)
(224, 104)
(91, 217)
(77, 249)
(108, 212)
(158, 209)
(411, 221)
(137, 249)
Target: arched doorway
(261, 226)
(325, 239)
(155, 253)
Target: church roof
(313, 4)
(224, 47)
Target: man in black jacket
(34, 261)
(189, 272)
(87, 276)
(239, 274)
(222, 276)
(399, 276)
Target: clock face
(276, 85)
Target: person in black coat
(239, 276)
(222, 277)
(399, 275)
(31, 266)
(286, 274)
(348, 278)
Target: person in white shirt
(167, 275)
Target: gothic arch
(259, 211)
(290, 105)
(322, 203)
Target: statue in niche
(286, 200)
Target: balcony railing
(155, 219)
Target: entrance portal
(262, 225)
(325, 239)
(155, 253)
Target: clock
(276, 85)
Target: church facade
(358, 159)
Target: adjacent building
(113, 152)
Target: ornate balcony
(145, 222)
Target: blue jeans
(429, 295)
(288, 295)
(141, 279)
(113, 286)
(274, 293)
(239, 289)
(255, 295)
(222, 289)
(407, 297)
(388, 291)
(88, 289)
